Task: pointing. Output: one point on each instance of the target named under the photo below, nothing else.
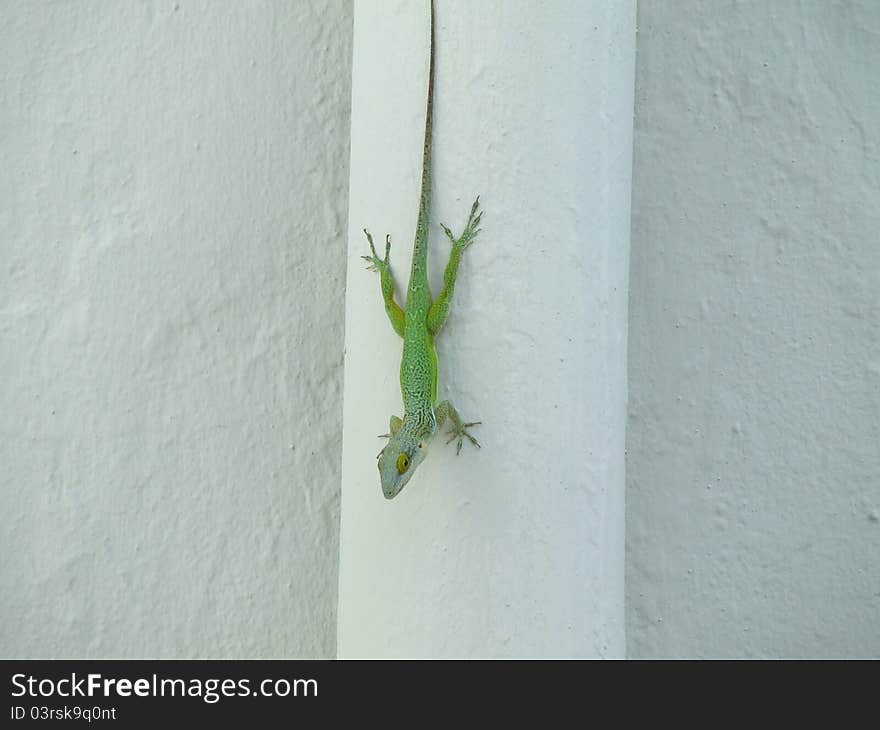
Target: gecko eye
(402, 463)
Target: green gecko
(418, 324)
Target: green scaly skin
(418, 324)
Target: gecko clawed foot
(471, 228)
(375, 263)
(461, 433)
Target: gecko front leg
(445, 410)
(394, 426)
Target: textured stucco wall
(172, 217)
(516, 549)
(753, 503)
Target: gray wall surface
(172, 219)
(753, 506)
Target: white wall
(172, 216)
(516, 549)
(754, 431)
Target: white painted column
(516, 549)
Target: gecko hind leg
(471, 228)
(386, 281)
(440, 308)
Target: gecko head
(398, 460)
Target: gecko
(418, 323)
